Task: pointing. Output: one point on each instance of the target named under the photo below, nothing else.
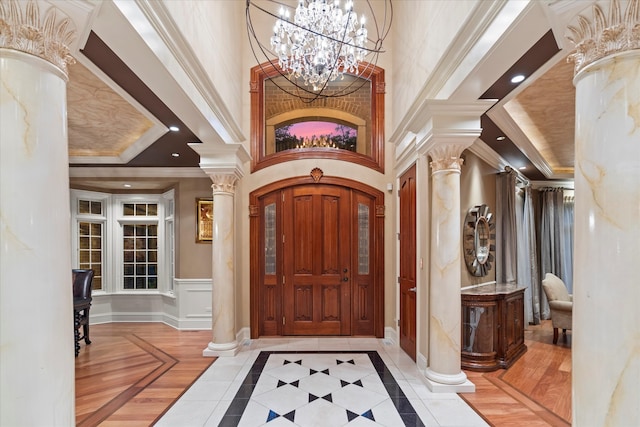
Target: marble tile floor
(317, 382)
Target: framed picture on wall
(204, 220)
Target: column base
(229, 349)
(444, 383)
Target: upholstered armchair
(560, 303)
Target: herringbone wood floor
(132, 373)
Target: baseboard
(391, 335)
(243, 335)
(421, 362)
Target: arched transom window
(285, 127)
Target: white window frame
(112, 240)
(76, 196)
(170, 242)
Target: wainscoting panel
(188, 307)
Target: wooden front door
(408, 262)
(317, 261)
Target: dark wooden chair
(82, 281)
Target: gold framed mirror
(479, 240)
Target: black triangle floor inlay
(291, 415)
(351, 415)
(328, 398)
(312, 397)
(326, 371)
(295, 383)
(358, 383)
(280, 383)
(343, 383)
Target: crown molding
(142, 172)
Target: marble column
(36, 326)
(606, 318)
(444, 372)
(224, 342)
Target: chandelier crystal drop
(321, 43)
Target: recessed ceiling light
(175, 154)
(522, 168)
(174, 128)
(517, 78)
(500, 138)
(127, 185)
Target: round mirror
(478, 235)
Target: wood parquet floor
(133, 372)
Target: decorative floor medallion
(320, 388)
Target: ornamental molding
(22, 29)
(446, 157)
(223, 183)
(601, 35)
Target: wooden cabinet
(492, 326)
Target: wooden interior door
(317, 260)
(408, 262)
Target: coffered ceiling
(117, 121)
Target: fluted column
(444, 370)
(606, 319)
(223, 302)
(36, 326)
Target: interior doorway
(317, 258)
(408, 289)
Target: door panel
(408, 262)
(317, 259)
(270, 293)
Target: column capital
(223, 183)
(446, 157)
(597, 34)
(39, 29)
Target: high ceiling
(117, 121)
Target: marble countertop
(493, 288)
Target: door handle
(414, 289)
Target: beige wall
(193, 260)
(477, 186)
(428, 28)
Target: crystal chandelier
(322, 42)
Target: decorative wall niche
(357, 121)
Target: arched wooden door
(317, 259)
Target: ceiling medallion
(319, 41)
(21, 29)
(602, 35)
(316, 174)
(479, 240)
